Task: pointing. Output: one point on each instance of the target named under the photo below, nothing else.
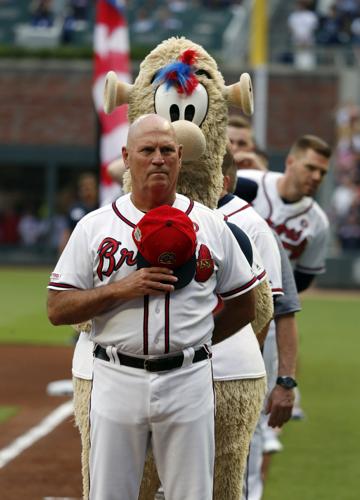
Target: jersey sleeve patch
(204, 265)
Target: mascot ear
(241, 94)
(116, 93)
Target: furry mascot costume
(180, 81)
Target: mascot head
(180, 81)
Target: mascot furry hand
(181, 81)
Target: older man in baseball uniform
(148, 269)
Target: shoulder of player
(92, 217)
(206, 213)
(321, 217)
(239, 210)
(254, 175)
(192, 207)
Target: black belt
(154, 364)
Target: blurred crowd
(145, 16)
(72, 15)
(27, 223)
(345, 203)
(329, 23)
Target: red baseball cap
(165, 237)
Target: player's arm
(281, 400)
(303, 280)
(235, 314)
(68, 307)
(312, 261)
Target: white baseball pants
(172, 411)
(253, 484)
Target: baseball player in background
(242, 145)
(238, 359)
(152, 326)
(87, 200)
(286, 202)
(279, 401)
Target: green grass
(23, 305)
(7, 412)
(321, 459)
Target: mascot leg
(82, 392)
(150, 481)
(238, 407)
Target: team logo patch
(204, 265)
(304, 223)
(167, 258)
(54, 276)
(137, 234)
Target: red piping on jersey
(260, 277)
(167, 322)
(146, 325)
(190, 207)
(240, 289)
(277, 290)
(300, 213)
(237, 211)
(119, 214)
(63, 285)
(131, 224)
(267, 197)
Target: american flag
(111, 52)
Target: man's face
(240, 139)
(307, 170)
(154, 160)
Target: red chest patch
(204, 265)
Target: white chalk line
(47, 425)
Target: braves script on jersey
(302, 226)
(101, 250)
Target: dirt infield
(51, 466)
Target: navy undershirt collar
(225, 199)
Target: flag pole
(258, 60)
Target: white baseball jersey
(101, 250)
(239, 356)
(302, 226)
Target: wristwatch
(286, 382)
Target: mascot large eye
(174, 106)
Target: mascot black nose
(174, 112)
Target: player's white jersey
(239, 356)
(101, 250)
(302, 226)
(243, 215)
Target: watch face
(287, 382)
